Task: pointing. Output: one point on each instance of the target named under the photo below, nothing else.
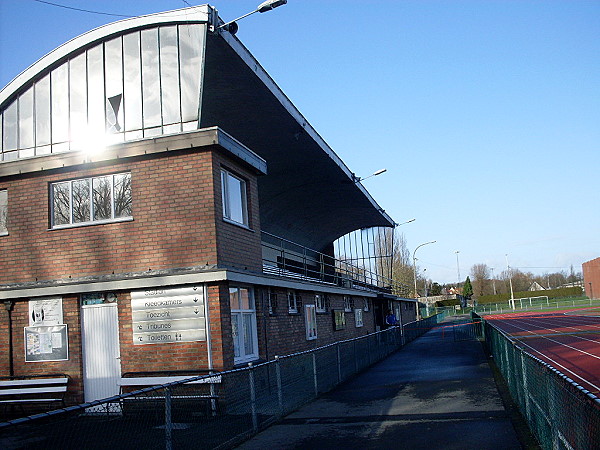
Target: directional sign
(167, 315)
(167, 338)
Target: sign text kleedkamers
(165, 315)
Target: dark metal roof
(309, 196)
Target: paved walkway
(434, 393)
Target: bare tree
(481, 279)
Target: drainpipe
(8, 305)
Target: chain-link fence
(535, 303)
(561, 414)
(211, 411)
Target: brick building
(165, 207)
(591, 278)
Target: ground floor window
(311, 322)
(243, 324)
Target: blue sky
(486, 114)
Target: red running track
(568, 340)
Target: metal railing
(560, 413)
(535, 303)
(211, 411)
(285, 258)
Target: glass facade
(138, 84)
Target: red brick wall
(283, 333)
(173, 206)
(591, 274)
(72, 367)
(238, 246)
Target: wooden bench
(42, 390)
(147, 386)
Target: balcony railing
(285, 258)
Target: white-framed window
(321, 303)
(235, 203)
(3, 212)
(271, 302)
(243, 324)
(358, 317)
(85, 201)
(311, 322)
(294, 302)
(348, 303)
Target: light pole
(266, 6)
(512, 295)
(457, 269)
(415, 272)
(493, 280)
(374, 174)
(404, 223)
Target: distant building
(535, 286)
(591, 278)
(165, 207)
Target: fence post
(279, 388)
(252, 397)
(314, 361)
(168, 422)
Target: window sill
(5, 233)
(237, 224)
(89, 224)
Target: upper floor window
(235, 206)
(89, 200)
(3, 211)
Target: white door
(101, 356)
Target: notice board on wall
(46, 343)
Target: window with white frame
(294, 302)
(243, 324)
(320, 302)
(271, 302)
(90, 200)
(235, 204)
(3, 212)
(311, 322)
(358, 317)
(348, 303)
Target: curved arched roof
(309, 195)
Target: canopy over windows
(166, 73)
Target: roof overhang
(310, 196)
